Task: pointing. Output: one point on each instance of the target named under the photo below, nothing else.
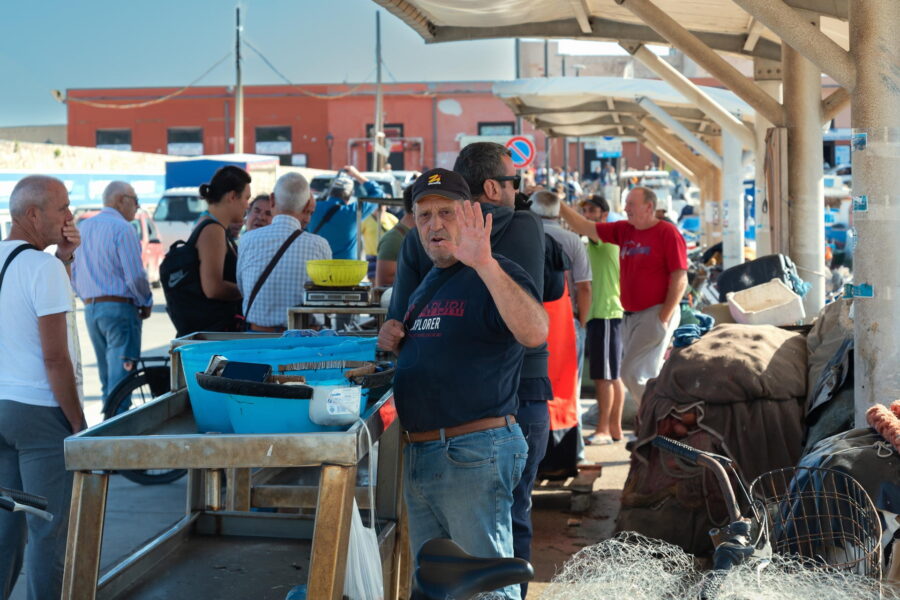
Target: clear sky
(60, 44)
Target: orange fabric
(562, 364)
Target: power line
(149, 102)
(303, 91)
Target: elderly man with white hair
(271, 268)
(109, 277)
(39, 405)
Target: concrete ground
(558, 534)
(136, 513)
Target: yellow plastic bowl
(337, 272)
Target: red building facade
(319, 126)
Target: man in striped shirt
(108, 275)
(284, 286)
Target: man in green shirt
(604, 338)
(390, 243)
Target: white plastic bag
(363, 579)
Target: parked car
(406, 178)
(176, 213)
(152, 250)
(5, 224)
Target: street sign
(522, 151)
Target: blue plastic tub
(211, 409)
(254, 414)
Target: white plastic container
(335, 404)
(771, 303)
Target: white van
(176, 213)
(5, 224)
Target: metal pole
(876, 175)
(378, 163)
(694, 94)
(660, 114)
(806, 192)
(704, 56)
(767, 74)
(733, 202)
(238, 89)
(518, 76)
(547, 137)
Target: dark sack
(756, 272)
(188, 307)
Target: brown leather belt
(263, 328)
(119, 299)
(470, 427)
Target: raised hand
(474, 246)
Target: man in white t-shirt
(39, 404)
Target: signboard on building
(605, 146)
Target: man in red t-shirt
(653, 276)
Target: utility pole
(238, 90)
(378, 142)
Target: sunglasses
(516, 180)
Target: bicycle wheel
(141, 387)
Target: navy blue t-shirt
(459, 361)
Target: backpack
(188, 307)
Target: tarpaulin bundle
(738, 391)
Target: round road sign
(522, 151)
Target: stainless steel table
(229, 474)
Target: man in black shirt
(461, 344)
(519, 236)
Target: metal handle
(692, 455)
(24, 498)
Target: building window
(114, 139)
(497, 128)
(185, 141)
(274, 141)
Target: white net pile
(633, 567)
(628, 566)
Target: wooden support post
(331, 536)
(82, 566)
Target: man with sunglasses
(109, 277)
(519, 236)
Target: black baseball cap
(440, 182)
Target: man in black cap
(460, 348)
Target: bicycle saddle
(447, 571)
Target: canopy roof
(721, 24)
(584, 106)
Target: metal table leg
(85, 537)
(331, 535)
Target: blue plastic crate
(211, 409)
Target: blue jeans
(534, 419)
(115, 330)
(461, 488)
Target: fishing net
(633, 567)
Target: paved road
(134, 513)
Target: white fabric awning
(556, 104)
(721, 24)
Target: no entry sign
(522, 150)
